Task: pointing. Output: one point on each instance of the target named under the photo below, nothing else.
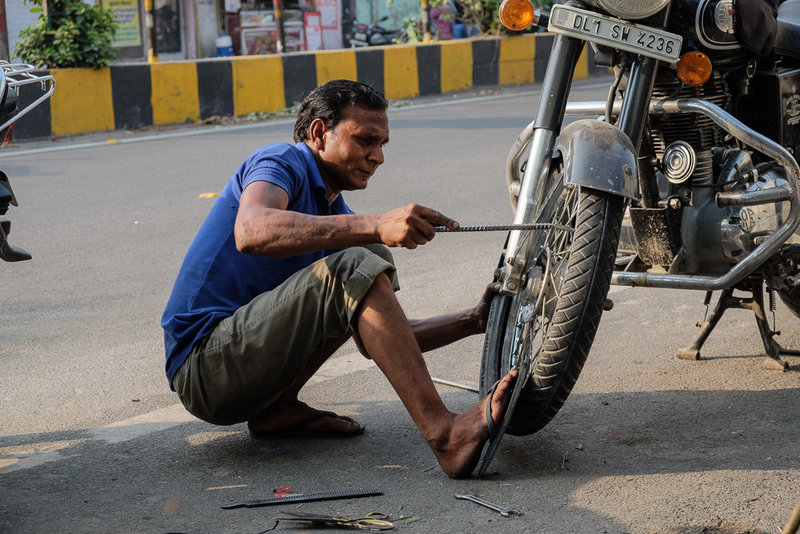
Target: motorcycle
(12, 77)
(373, 34)
(684, 178)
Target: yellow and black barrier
(144, 94)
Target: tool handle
(311, 497)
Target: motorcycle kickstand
(772, 348)
(755, 304)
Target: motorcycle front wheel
(554, 316)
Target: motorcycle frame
(632, 113)
(749, 137)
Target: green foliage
(76, 35)
(483, 14)
(412, 32)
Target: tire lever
(503, 227)
(308, 497)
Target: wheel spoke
(519, 338)
(553, 259)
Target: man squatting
(282, 273)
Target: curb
(134, 95)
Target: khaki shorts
(251, 357)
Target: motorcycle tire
(566, 301)
(791, 297)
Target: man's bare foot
(460, 449)
(298, 419)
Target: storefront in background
(307, 25)
(190, 29)
(184, 29)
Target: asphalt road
(92, 440)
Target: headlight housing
(632, 9)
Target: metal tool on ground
(307, 497)
(505, 512)
(375, 521)
(453, 384)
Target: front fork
(549, 115)
(547, 126)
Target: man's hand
(410, 226)
(481, 311)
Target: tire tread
(575, 320)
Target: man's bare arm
(264, 226)
(442, 330)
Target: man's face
(352, 151)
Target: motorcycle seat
(787, 37)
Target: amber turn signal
(694, 68)
(516, 14)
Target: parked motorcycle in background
(12, 77)
(373, 34)
(687, 180)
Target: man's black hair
(330, 101)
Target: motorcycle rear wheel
(791, 298)
(779, 278)
(554, 317)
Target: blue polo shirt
(215, 278)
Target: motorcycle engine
(712, 238)
(699, 131)
(747, 227)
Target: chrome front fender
(598, 155)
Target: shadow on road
(176, 476)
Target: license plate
(616, 33)
(359, 36)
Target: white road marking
(31, 455)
